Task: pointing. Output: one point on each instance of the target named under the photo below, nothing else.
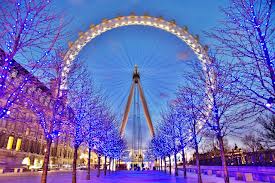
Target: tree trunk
(74, 164)
(160, 164)
(105, 165)
(170, 168)
(89, 165)
(98, 166)
(176, 164)
(46, 161)
(198, 160)
(183, 163)
(110, 160)
(164, 164)
(119, 165)
(114, 165)
(225, 170)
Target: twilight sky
(160, 56)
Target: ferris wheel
(156, 68)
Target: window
(18, 144)
(3, 123)
(2, 139)
(27, 131)
(26, 161)
(10, 142)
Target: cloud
(184, 55)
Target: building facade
(238, 157)
(22, 141)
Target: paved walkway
(114, 177)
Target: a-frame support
(136, 81)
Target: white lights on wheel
(106, 25)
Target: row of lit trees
(93, 124)
(32, 33)
(79, 113)
(208, 105)
(234, 87)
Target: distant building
(238, 157)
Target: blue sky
(160, 56)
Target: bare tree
(80, 96)
(267, 134)
(247, 36)
(252, 142)
(91, 138)
(115, 146)
(95, 106)
(169, 130)
(188, 104)
(223, 110)
(109, 139)
(161, 146)
(53, 122)
(30, 33)
(53, 113)
(211, 144)
(182, 136)
(110, 143)
(101, 124)
(176, 120)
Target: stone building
(237, 157)
(22, 142)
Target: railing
(245, 173)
